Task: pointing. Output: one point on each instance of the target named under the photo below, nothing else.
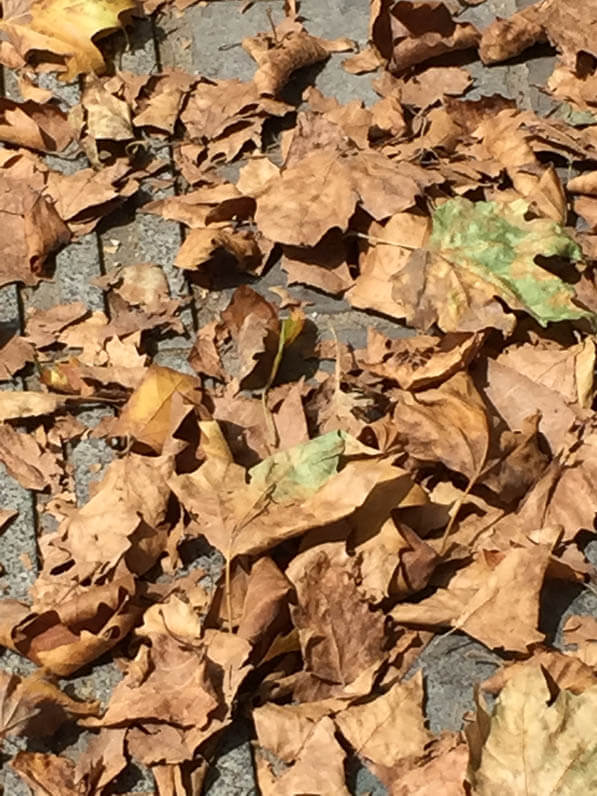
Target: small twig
(270, 17)
(458, 505)
(374, 239)
(227, 587)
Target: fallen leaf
(388, 727)
(34, 707)
(306, 200)
(566, 671)
(318, 769)
(480, 250)
(26, 460)
(15, 353)
(152, 412)
(284, 729)
(42, 26)
(37, 126)
(554, 20)
(340, 635)
(418, 362)
(244, 518)
(385, 253)
(32, 230)
(477, 599)
(456, 407)
(280, 53)
(424, 31)
(581, 631)
(441, 768)
(537, 743)
(28, 404)
(47, 774)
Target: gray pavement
(451, 666)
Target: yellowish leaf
(65, 28)
(155, 406)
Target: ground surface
(205, 40)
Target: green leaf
(298, 472)
(497, 243)
(574, 117)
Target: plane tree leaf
(65, 28)
(537, 745)
(499, 245)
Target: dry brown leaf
(306, 200)
(581, 631)
(84, 197)
(15, 353)
(27, 461)
(565, 671)
(323, 266)
(254, 326)
(418, 362)
(284, 729)
(28, 404)
(134, 496)
(239, 518)
(566, 370)
(534, 741)
(279, 53)
(103, 758)
(506, 38)
(442, 768)
(168, 690)
(556, 20)
(48, 775)
(202, 206)
(34, 706)
(106, 117)
(390, 726)
(478, 599)
(264, 609)
(340, 636)
(385, 254)
(424, 89)
(424, 31)
(159, 103)
(225, 115)
(448, 424)
(318, 770)
(31, 230)
(201, 245)
(515, 462)
(37, 126)
(516, 397)
(506, 140)
(63, 641)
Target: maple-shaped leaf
(65, 28)
(479, 257)
(499, 245)
(536, 744)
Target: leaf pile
(364, 500)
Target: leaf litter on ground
(421, 486)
